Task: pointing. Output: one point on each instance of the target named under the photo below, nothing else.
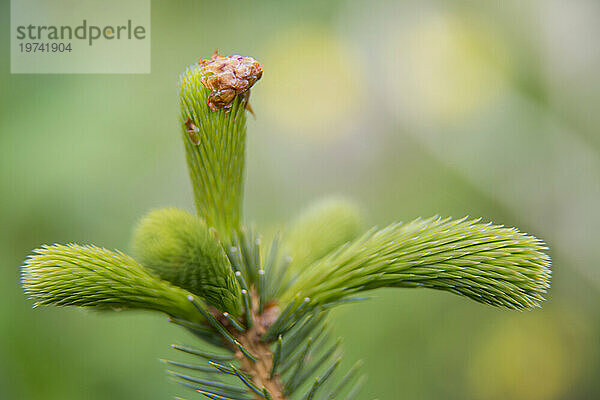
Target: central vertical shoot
(213, 97)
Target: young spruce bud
(213, 97)
(179, 248)
(320, 229)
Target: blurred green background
(414, 108)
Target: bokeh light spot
(314, 84)
(444, 67)
(521, 358)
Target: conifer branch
(263, 307)
(89, 276)
(487, 263)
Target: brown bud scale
(227, 77)
(192, 131)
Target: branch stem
(259, 368)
